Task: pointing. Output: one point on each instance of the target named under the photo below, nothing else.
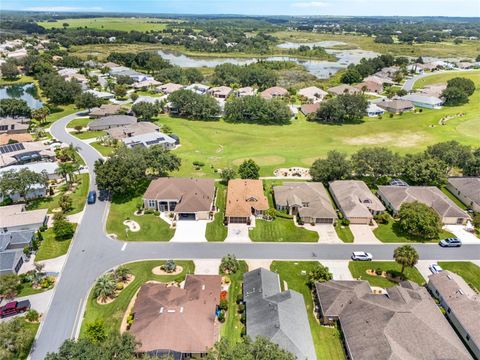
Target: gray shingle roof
(468, 186)
(279, 316)
(16, 239)
(9, 260)
(113, 120)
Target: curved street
(92, 253)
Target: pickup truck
(14, 307)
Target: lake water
(320, 68)
(27, 92)
(324, 44)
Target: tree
(422, 169)
(249, 170)
(229, 264)
(193, 75)
(67, 171)
(351, 76)
(419, 220)
(14, 108)
(9, 70)
(467, 85)
(228, 174)
(120, 91)
(134, 97)
(15, 340)
(376, 162)
(95, 331)
(21, 182)
(256, 110)
(58, 90)
(406, 256)
(10, 286)
(124, 80)
(472, 166)
(454, 96)
(121, 273)
(319, 273)
(451, 152)
(104, 287)
(63, 229)
(195, 106)
(87, 100)
(146, 110)
(260, 349)
(335, 167)
(341, 109)
(65, 202)
(384, 39)
(32, 315)
(40, 114)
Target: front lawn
(112, 314)
(152, 228)
(50, 247)
(359, 268)
(453, 198)
(216, 230)
(79, 122)
(467, 270)
(281, 230)
(102, 149)
(344, 233)
(327, 340)
(232, 328)
(392, 233)
(89, 134)
(60, 112)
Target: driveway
(422, 267)
(460, 232)
(338, 268)
(363, 234)
(190, 231)
(237, 233)
(206, 266)
(326, 233)
(39, 302)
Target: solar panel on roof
(8, 148)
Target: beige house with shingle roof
(308, 200)
(274, 92)
(187, 199)
(220, 92)
(343, 89)
(467, 189)
(403, 324)
(17, 218)
(135, 129)
(462, 306)
(394, 196)
(313, 94)
(355, 200)
(245, 198)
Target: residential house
(245, 91)
(379, 80)
(274, 92)
(105, 110)
(125, 71)
(187, 199)
(148, 99)
(11, 250)
(18, 54)
(150, 139)
(169, 88)
(245, 198)
(112, 121)
(16, 218)
(102, 95)
(343, 89)
(370, 86)
(461, 304)
(313, 94)
(404, 323)
(309, 200)
(6, 138)
(170, 320)
(308, 109)
(198, 88)
(374, 110)
(394, 196)
(139, 128)
(12, 126)
(26, 152)
(146, 84)
(355, 200)
(387, 72)
(280, 316)
(467, 189)
(396, 106)
(111, 65)
(435, 90)
(424, 101)
(220, 92)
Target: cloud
(63, 8)
(309, 5)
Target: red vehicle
(14, 307)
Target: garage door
(324, 221)
(237, 220)
(186, 216)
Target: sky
(469, 8)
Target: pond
(27, 92)
(324, 44)
(320, 68)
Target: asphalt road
(92, 253)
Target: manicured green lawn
(51, 248)
(24, 79)
(344, 233)
(152, 228)
(109, 23)
(79, 122)
(60, 112)
(391, 233)
(112, 314)
(443, 78)
(232, 328)
(453, 198)
(220, 144)
(27, 290)
(327, 340)
(359, 268)
(216, 231)
(102, 149)
(469, 271)
(89, 134)
(281, 230)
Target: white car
(362, 256)
(435, 268)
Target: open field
(110, 23)
(359, 268)
(445, 76)
(467, 270)
(327, 340)
(469, 48)
(220, 144)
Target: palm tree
(104, 287)
(121, 273)
(406, 256)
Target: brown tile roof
(342, 89)
(308, 109)
(396, 105)
(172, 318)
(371, 86)
(274, 91)
(192, 194)
(4, 138)
(243, 195)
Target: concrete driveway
(237, 233)
(422, 267)
(338, 268)
(326, 233)
(363, 234)
(460, 232)
(206, 266)
(39, 302)
(190, 231)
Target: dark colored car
(92, 197)
(14, 307)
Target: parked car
(14, 307)
(450, 242)
(362, 256)
(435, 268)
(92, 197)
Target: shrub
(170, 266)
(63, 229)
(47, 282)
(239, 298)
(345, 222)
(221, 316)
(379, 272)
(243, 318)
(32, 315)
(382, 218)
(241, 308)
(223, 305)
(198, 163)
(119, 286)
(243, 332)
(95, 331)
(229, 264)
